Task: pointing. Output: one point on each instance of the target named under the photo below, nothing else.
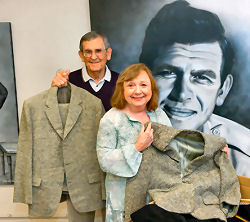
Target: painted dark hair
(178, 22)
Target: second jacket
(185, 171)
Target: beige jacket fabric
(47, 150)
(207, 187)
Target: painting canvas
(8, 106)
(201, 67)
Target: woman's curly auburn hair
(118, 101)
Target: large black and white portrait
(198, 53)
(8, 106)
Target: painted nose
(180, 91)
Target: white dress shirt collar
(96, 86)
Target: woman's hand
(145, 138)
(225, 149)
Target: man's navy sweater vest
(105, 93)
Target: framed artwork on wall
(198, 52)
(8, 106)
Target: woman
(122, 137)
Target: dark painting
(8, 106)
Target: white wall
(45, 38)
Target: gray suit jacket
(47, 150)
(206, 187)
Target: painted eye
(202, 79)
(165, 74)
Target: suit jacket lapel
(162, 137)
(53, 115)
(52, 111)
(75, 110)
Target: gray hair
(92, 35)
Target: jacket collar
(52, 110)
(164, 134)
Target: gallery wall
(45, 36)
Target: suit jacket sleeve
(229, 185)
(23, 170)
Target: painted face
(137, 92)
(188, 77)
(94, 55)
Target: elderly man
(192, 60)
(95, 76)
(3, 94)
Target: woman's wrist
(138, 147)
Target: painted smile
(174, 112)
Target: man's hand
(61, 78)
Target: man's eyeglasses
(98, 53)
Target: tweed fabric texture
(47, 150)
(208, 188)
